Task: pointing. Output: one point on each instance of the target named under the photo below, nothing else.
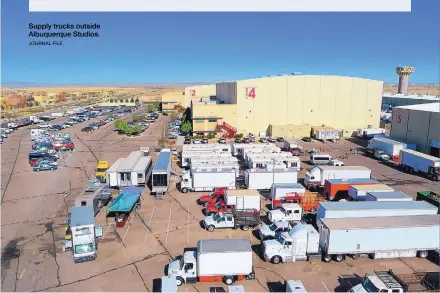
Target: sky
(209, 47)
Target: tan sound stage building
(289, 105)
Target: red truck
(212, 197)
(308, 201)
(219, 207)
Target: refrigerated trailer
(207, 179)
(337, 189)
(416, 162)
(370, 132)
(161, 172)
(263, 178)
(243, 199)
(316, 176)
(215, 260)
(375, 237)
(359, 192)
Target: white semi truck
(207, 179)
(215, 260)
(426, 165)
(375, 237)
(316, 177)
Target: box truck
(388, 281)
(263, 179)
(281, 192)
(337, 189)
(389, 146)
(205, 179)
(369, 132)
(388, 196)
(374, 237)
(215, 260)
(316, 176)
(241, 199)
(359, 192)
(416, 162)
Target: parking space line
(149, 224)
(105, 233)
(35, 249)
(325, 287)
(168, 226)
(21, 275)
(187, 224)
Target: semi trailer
(215, 260)
(316, 177)
(359, 192)
(375, 237)
(388, 196)
(205, 179)
(336, 189)
(416, 162)
(160, 178)
(370, 132)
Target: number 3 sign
(250, 92)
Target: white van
(320, 159)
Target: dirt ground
(132, 258)
(433, 90)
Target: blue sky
(205, 47)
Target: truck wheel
(276, 259)
(184, 190)
(423, 254)
(199, 202)
(339, 257)
(435, 178)
(327, 258)
(245, 228)
(211, 228)
(229, 280)
(179, 281)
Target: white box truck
(263, 179)
(316, 177)
(359, 192)
(375, 237)
(206, 179)
(215, 260)
(243, 199)
(426, 165)
(388, 196)
(369, 132)
(389, 146)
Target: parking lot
(35, 207)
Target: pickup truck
(291, 212)
(219, 207)
(271, 231)
(381, 155)
(232, 219)
(212, 197)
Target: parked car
(306, 139)
(271, 139)
(196, 141)
(44, 166)
(56, 127)
(280, 139)
(187, 141)
(204, 140)
(87, 129)
(263, 139)
(222, 140)
(246, 140)
(43, 125)
(237, 140)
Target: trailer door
(239, 203)
(125, 178)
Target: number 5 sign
(399, 118)
(250, 92)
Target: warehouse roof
(382, 222)
(376, 205)
(223, 245)
(413, 97)
(431, 107)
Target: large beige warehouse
(419, 124)
(289, 104)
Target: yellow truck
(101, 169)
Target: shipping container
(328, 134)
(388, 196)
(359, 192)
(381, 237)
(263, 179)
(243, 199)
(337, 189)
(428, 166)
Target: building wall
(341, 102)
(170, 99)
(289, 130)
(414, 126)
(204, 116)
(227, 92)
(198, 91)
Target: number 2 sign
(250, 92)
(193, 93)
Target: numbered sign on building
(250, 93)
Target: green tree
(120, 125)
(135, 117)
(137, 100)
(127, 101)
(136, 129)
(121, 100)
(131, 100)
(186, 127)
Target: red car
(219, 207)
(63, 146)
(212, 197)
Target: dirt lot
(35, 206)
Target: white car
(197, 141)
(337, 163)
(44, 125)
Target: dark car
(306, 139)
(280, 139)
(246, 140)
(204, 140)
(237, 140)
(222, 140)
(87, 129)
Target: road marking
(168, 226)
(34, 250)
(325, 287)
(21, 275)
(187, 220)
(149, 224)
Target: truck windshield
(181, 263)
(101, 170)
(84, 248)
(369, 286)
(273, 227)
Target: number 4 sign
(250, 92)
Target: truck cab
(100, 171)
(219, 207)
(292, 212)
(184, 268)
(381, 155)
(212, 197)
(267, 232)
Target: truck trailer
(359, 192)
(237, 148)
(369, 133)
(388, 196)
(280, 191)
(243, 199)
(161, 172)
(375, 237)
(187, 157)
(217, 165)
(316, 177)
(389, 146)
(337, 189)
(96, 198)
(132, 170)
(263, 179)
(215, 260)
(207, 179)
(416, 162)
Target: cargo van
(320, 159)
